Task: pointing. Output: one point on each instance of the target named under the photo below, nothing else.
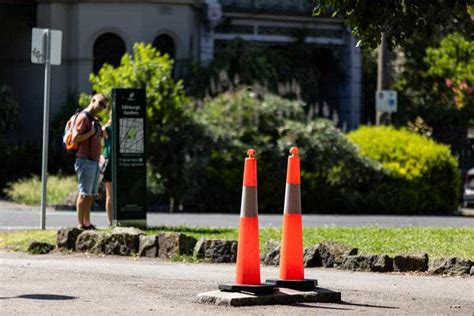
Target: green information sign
(129, 157)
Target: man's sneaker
(90, 227)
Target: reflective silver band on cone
(249, 205)
(292, 199)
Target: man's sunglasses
(102, 104)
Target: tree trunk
(383, 77)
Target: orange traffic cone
(291, 254)
(247, 277)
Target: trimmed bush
(423, 175)
(331, 167)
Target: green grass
(437, 242)
(28, 191)
(19, 240)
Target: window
(108, 48)
(165, 45)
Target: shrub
(10, 110)
(22, 159)
(173, 138)
(423, 175)
(331, 167)
(19, 161)
(8, 122)
(28, 190)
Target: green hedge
(423, 176)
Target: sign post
(45, 49)
(129, 157)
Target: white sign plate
(386, 101)
(38, 49)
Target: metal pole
(382, 81)
(47, 83)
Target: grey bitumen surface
(30, 218)
(81, 284)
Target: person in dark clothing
(107, 161)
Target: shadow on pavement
(46, 297)
(320, 307)
(343, 303)
(367, 305)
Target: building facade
(95, 32)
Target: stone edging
(334, 255)
(132, 241)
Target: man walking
(88, 135)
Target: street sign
(45, 49)
(129, 157)
(38, 46)
(386, 101)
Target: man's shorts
(88, 175)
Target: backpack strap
(89, 116)
(78, 111)
(91, 119)
(86, 113)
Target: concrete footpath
(81, 284)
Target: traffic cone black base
(262, 289)
(299, 285)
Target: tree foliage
(435, 81)
(453, 62)
(10, 110)
(292, 71)
(172, 135)
(18, 160)
(400, 19)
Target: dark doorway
(108, 48)
(165, 45)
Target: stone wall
(171, 245)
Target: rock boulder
(217, 251)
(67, 237)
(175, 244)
(410, 262)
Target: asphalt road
(81, 284)
(30, 218)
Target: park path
(87, 284)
